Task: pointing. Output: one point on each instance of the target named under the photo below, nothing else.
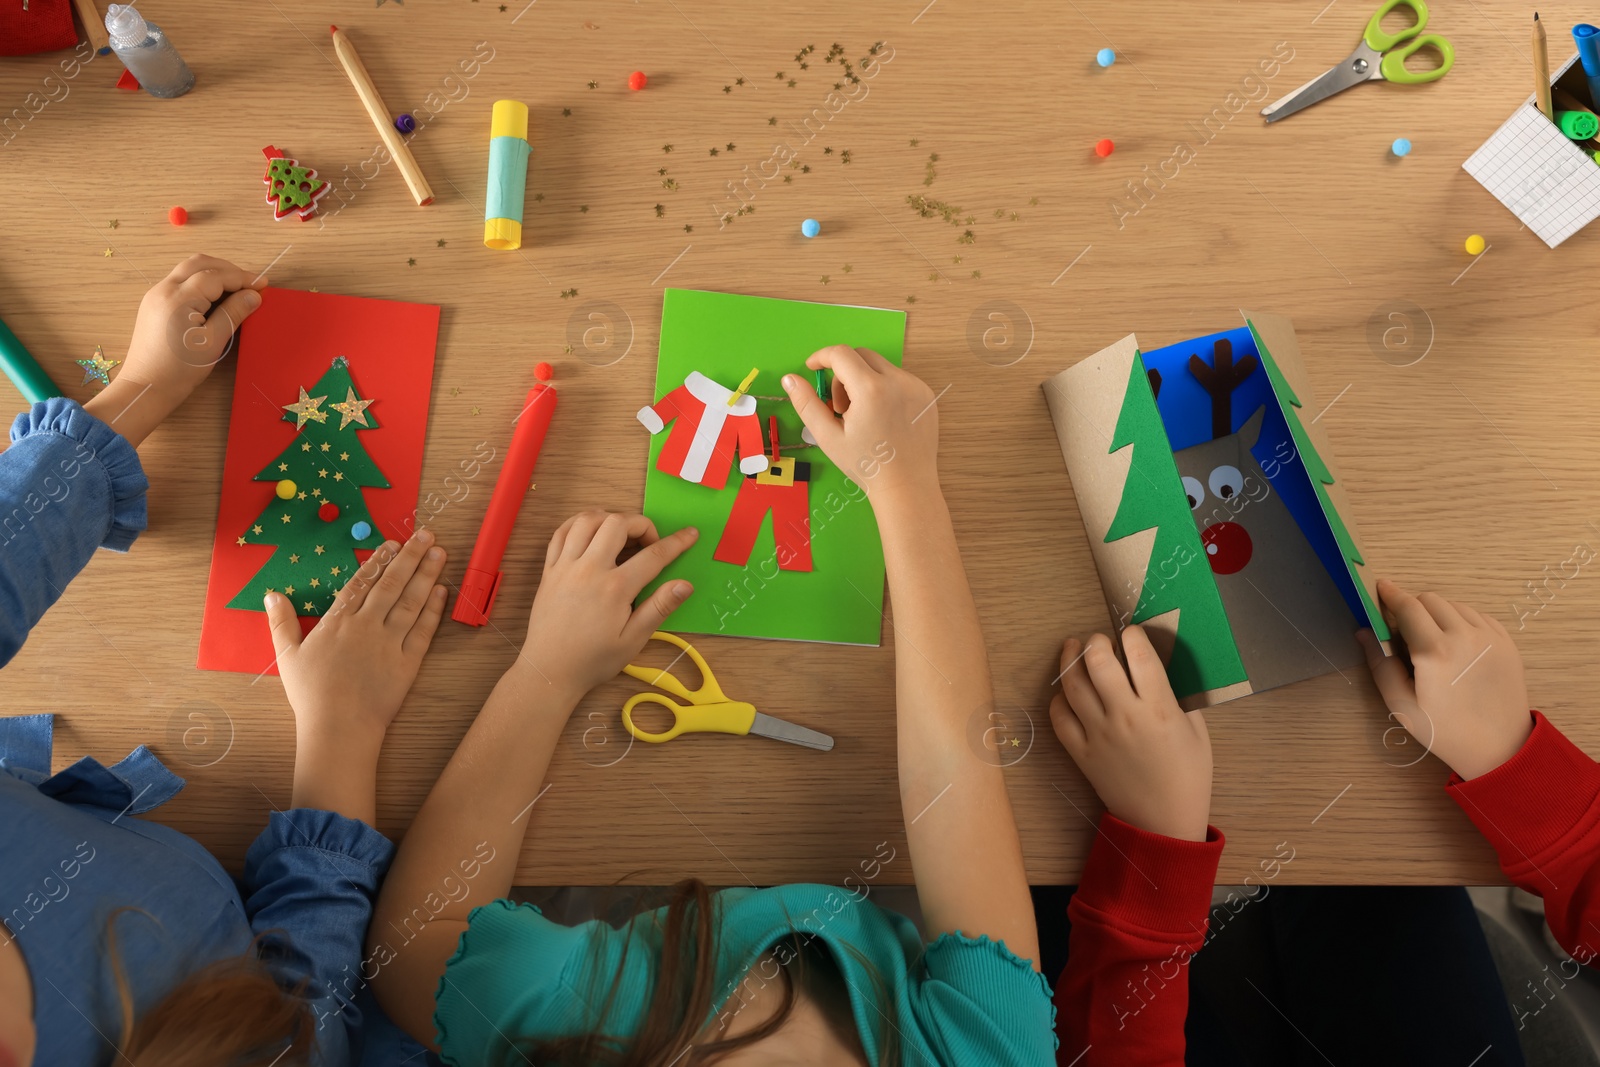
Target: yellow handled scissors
(1381, 56)
(709, 710)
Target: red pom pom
(328, 512)
(637, 80)
(177, 216)
(1103, 147)
(543, 371)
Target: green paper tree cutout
(291, 187)
(1321, 478)
(1204, 656)
(328, 466)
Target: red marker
(482, 580)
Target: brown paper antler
(1220, 381)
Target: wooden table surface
(1458, 393)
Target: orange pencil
(351, 61)
(94, 26)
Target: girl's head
(795, 977)
(233, 1013)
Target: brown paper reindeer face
(1286, 613)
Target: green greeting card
(710, 342)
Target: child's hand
(584, 627)
(179, 336)
(1149, 761)
(347, 677)
(1467, 703)
(887, 440)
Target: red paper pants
(791, 524)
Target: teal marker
(23, 370)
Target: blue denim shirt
(74, 850)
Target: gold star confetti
(335, 570)
(283, 466)
(440, 242)
(113, 224)
(241, 541)
(294, 557)
(338, 476)
(316, 492)
(97, 366)
(411, 263)
(300, 495)
(305, 446)
(288, 590)
(256, 530)
(351, 409)
(285, 518)
(344, 457)
(848, 268)
(323, 473)
(308, 607)
(109, 253)
(325, 446)
(316, 583)
(317, 549)
(307, 407)
(476, 411)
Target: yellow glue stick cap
(502, 234)
(510, 119)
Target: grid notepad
(1547, 181)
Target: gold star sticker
(322, 473)
(324, 446)
(318, 550)
(316, 492)
(283, 466)
(241, 541)
(1015, 743)
(307, 407)
(113, 224)
(335, 570)
(285, 518)
(316, 582)
(344, 457)
(305, 446)
(288, 590)
(476, 411)
(294, 557)
(108, 253)
(300, 495)
(338, 476)
(255, 529)
(350, 409)
(271, 590)
(308, 607)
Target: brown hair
(232, 1013)
(683, 995)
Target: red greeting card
(330, 413)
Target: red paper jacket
(1141, 909)
(707, 431)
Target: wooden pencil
(353, 67)
(94, 25)
(1541, 70)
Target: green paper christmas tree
(324, 468)
(1204, 656)
(1321, 478)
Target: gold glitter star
(317, 549)
(285, 517)
(325, 446)
(335, 570)
(305, 446)
(283, 466)
(241, 541)
(322, 473)
(308, 607)
(288, 590)
(294, 557)
(316, 492)
(97, 366)
(300, 495)
(255, 529)
(113, 224)
(108, 253)
(344, 457)
(476, 411)
(338, 476)
(307, 407)
(316, 583)
(350, 409)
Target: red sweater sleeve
(1541, 811)
(1138, 915)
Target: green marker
(1578, 125)
(23, 370)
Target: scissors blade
(767, 726)
(1360, 67)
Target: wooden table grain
(1458, 393)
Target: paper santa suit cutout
(706, 432)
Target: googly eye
(1196, 491)
(1226, 482)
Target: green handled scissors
(709, 710)
(1376, 58)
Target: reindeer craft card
(1213, 511)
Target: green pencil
(23, 370)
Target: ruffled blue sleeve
(309, 883)
(978, 1002)
(68, 484)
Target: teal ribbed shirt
(959, 1001)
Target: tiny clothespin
(744, 386)
(772, 431)
(821, 377)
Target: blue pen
(1587, 38)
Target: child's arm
(71, 480)
(583, 630)
(963, 839)
(1534, 794)
(311, 877)
(1140, 909)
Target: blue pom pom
(1401, 147)
(361, 531)
(811, 227)
(1105, 57)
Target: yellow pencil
(420, 190)
(94, 26)
(1541, 70)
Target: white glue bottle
(147, 53)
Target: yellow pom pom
(1475, 245)
(287, 490)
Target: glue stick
(508, 174)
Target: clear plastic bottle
(147, 53)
